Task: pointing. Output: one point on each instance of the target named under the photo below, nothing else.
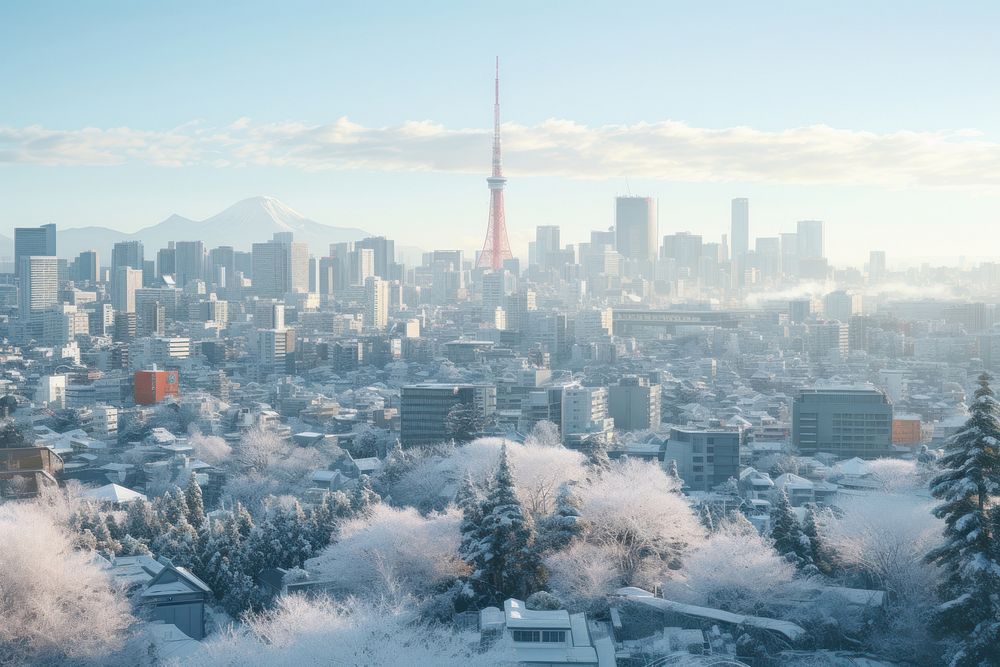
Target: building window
(526, 635)
(554, 636)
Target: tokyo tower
(496, 248)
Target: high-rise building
(740, 227)
(383, 255)
(39, 285)
(86, 267)
(636, 227)
(361, 265)
(789, 253)
(376, 303)
(127, 253)
(705, 458)
(222, 267)
(166, 261)
(546, 243)
(189, 262)
(845, 422)
(810, 240)
(876, 266)
(33, 242)
(585, 415)
(280, 267)
(127, 281)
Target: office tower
(799, 310)
(166, 261)
(376, 303)
(824, 339)
(62, 323)
(705, 458)
(634, 404)
(329, 268)
(269, 314)
(841, 305)
(361, 265)
(222, 267)
(592, 326)
(767, 257)
(126, 253)
(496, 247)
(126, 326)
(636, 227)
(585, 415)
(39, 286)
(280, 267)
(494, 290)
(148, 272)
(789, 254)
(127, 281)
(152, 319)
(843, 422)
(740, 227)
(383, 255)
(876, 266)
(425, 410)
(86, 267)
(685, 249)
(33, 242)
(809, 236)
(189, 262)
(546, 243)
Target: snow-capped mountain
(250, 221)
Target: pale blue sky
(163, 86)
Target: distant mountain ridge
(246, 222)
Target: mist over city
(444, 335)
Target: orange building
(906, 430)
(154, 386)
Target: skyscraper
(740, 227)
(383, 254)
(876, 266)
(546, 243)
(376, 302)
(636, 227)
(189, 262)
(39, 285)
(126, 253)
(809, 234)
(126, 281)
(280, 267)
(33, 241)
(86, 267)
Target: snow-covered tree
(558, 529)
(210, 448)
(968, 486)
(735, 569)
(195, 503)
(543, 434)
(56, 604)
(282, 539)
(633, 510)
(583, 575)
(504, 559)
(307, 631)
(822, 557)
(393, 553)
(789, 540)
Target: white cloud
(666, 150)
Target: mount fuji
(250, 221)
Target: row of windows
(545, 636)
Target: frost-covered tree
(504, 559)
(562, 526)
(735, 569)
(56, 604)
(633, 510)
(544, 434)
(392, 553)
(313, 631)
(325, 517)
(822, 556)
(210, 448)
(789, 540)
(364, 497)
(282, 539)
(195, 503)
(968, 486)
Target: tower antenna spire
(496, 248)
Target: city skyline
(684, 114)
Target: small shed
(177, 597)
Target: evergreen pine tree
(970, 556)
(194, 502)
(469, 499)
(140, 520)
(364, 496)
(505, 560)
(557, 530)
(822, 557)
(789, 540)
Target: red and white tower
(496, 247)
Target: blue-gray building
(847, 422)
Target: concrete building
(634, 404)
(376, 303)
(636, 227)
(846, 422)
(126, 281)
(33, 242)
(585, 414)
(39, 289)
(705, 458)
(279, 267)
(424, 409)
